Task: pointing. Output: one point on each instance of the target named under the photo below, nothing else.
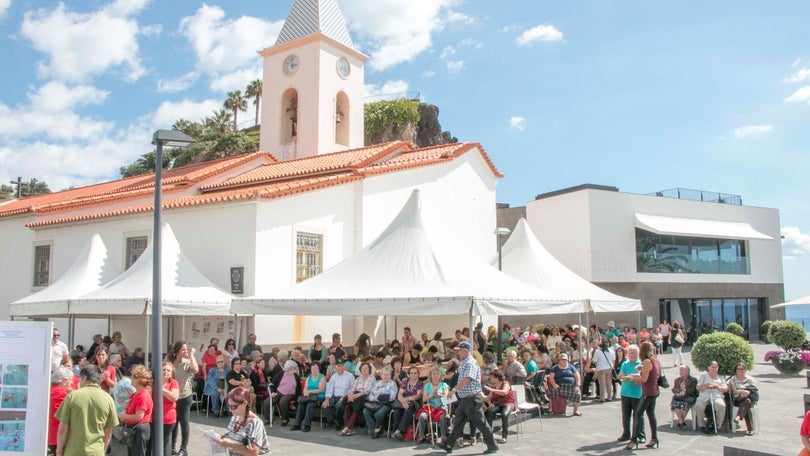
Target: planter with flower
(789, 336)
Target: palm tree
(219, 121)
(254, 90)
(193, 129)
(235, 102)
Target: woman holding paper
(245, 435)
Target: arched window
(342, 119)
(289, 116)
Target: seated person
(356, 399)
(684, 395)
(313, 395)
(379, 402)
(408, 402)
(215, 384)
(745, 394)
(433, 410)
(501, 399)
(712, 389)
(565, 382)
(287, 389)
(338, 387)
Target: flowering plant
(789, 356)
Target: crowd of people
(430, 386)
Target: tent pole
(500, 341)
(579, 344)
(148, 350)
(72, 329)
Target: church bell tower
(312, 90)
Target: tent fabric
(407, 271)
(89, 271)
(796, 302)
(184, 289)
(525, 259)
(700, 228)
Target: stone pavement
(781, 410)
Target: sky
(643, 96)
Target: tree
(254, 90)
(219, 122)
(144, 164)
(235, 102)
(34, 187)
(193, 129)
(6, 192)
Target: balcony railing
(699, 195)
(683, 264)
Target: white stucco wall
(607, 220)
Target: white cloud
(542, 32)
(799, 75)
(151, 30)
(796, 62)
(455, 16)
(177, 84)
(56, 97)
(81, 45)
(794, 242)
(428, 73)
(447, 51)
(4, 6)
(170, 111)
(517, 123)
(800, 96)
(389, 90)
(455, 66)
(752, 131)
(397, 30)
(226, 48)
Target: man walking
(86, 417)
(470, 401)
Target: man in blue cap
(470, 401)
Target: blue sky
(643, 96)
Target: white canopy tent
(805, 301)
(525, 259)
(185, 290)
(89, 271)
(407, 271)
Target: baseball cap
(611, 324)
(563, 356)
(464, 345)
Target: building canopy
(408, 271)
(525, 259)
(679, 226)
(805, 301)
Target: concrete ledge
(733, 451)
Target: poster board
(200, 331)
(25, 353)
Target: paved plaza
(781, 409)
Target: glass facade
(706, 315)
(690, 255)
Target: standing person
(604, 357)
(58, 350)
(60, 387)
(137, 357)
(317, 353)
(631, 393)
(185, 366)
(101, 360)
(648, 379)
(804, 432)
(479, 338)
(408, 340)
(470, 402)
(676, 339)
(230, 351)
(337, 348)
(97, 340)
(170, 392)
(245, 434)
(250, 347)
(139, 411)
(362, 347)
(86, 418)
(665, 329)
(565, 382)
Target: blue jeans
(305, 410)
(374, 420)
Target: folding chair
(524, 406)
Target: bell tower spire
(312, 93)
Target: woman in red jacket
(60, 388)
(139, 411)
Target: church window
(135, 247)
(308, 255)
(42, 265)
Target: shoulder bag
(123, 434)
(662, 379)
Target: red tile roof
(267, 180)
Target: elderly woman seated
(712, 390)
(434, 411)
(565, 382)
(379, 402)
(684, 395)
(287, 389)
(745, 394)
(215, 384)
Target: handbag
(359, 403)
(124, 435)
(662, 381)
(679, 337)
(372, 406)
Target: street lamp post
(500, 232)
(168, 138)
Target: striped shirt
(469, 368)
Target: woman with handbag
(501, 398)
(379, 402)
(648, 379)
(433, 410)
(138, 415)
(288, 388)
(245, 434)
(171, 389)
(314, 393)
(745, 394)
(355, 401)
(677, 337)
(408, 402)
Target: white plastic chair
(692, 414)
(754, 417)
(523, 407)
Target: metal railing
(699, 195)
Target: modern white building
(263, 221)
(701, 258)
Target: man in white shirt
(339, 386)
(58, 350)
